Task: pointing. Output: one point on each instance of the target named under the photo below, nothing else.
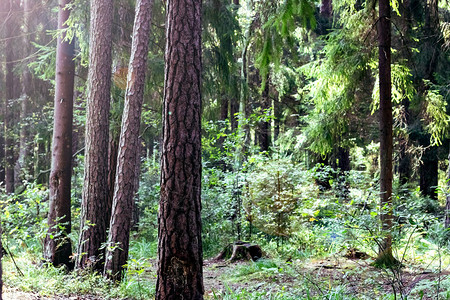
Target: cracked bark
(94, 216)
(124, 188)
(180, 274)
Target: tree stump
(240, 250)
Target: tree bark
(386, 141)
(94, 218)
(122, 208)
(180, 274)
(57, 245)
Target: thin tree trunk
(122, 208)
(57, 245)
(264, 125)
(26, 93)
(180, 255)
(2, 128)
(386, 141)
(11, 93)
(447, 204)
(94, 218)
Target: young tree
(95, 205)
(180, 274)
(386, 142)
(57, 246)
(122, 206)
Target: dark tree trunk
(386, 141)
(122, 207)
(180, 274)
(428, 172)
(264, 125)
(57, 245)
(326, 8)
(94, 218)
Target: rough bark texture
(122, 207)
(180, 274)
(386, 142)
(94, 218)
(57, 246)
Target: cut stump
(240, 250)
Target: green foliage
(438, 119)
(280, 23)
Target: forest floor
(352, 278)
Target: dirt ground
(357, 276)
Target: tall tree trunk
(180, 255)
(447, 204)
(404, 159)
(385, 256)
(26, 93)
(432, 47)
(57, 245)
(120, 64)
(11, 92)
(122, 208)
(2, 113)
(94, 218)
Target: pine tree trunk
(385, 124)
(180, 258)
(94, 219)
(57, 245)
(122, 207)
